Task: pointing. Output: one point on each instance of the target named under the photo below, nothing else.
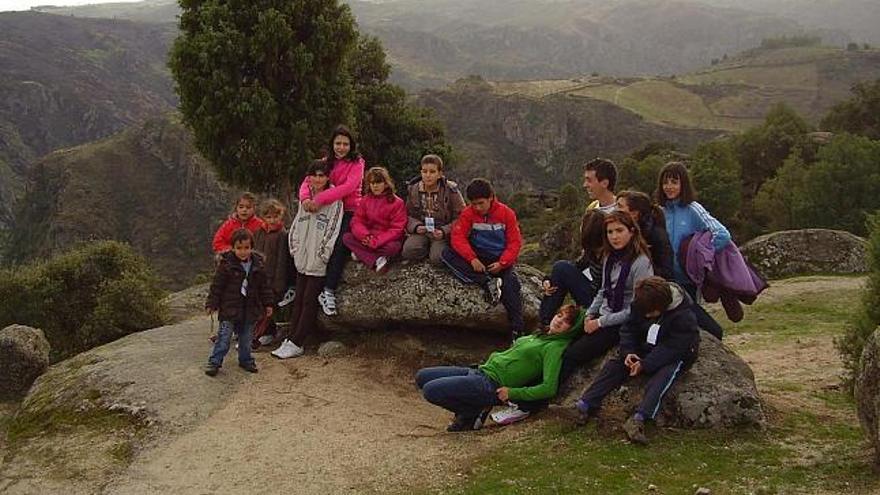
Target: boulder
(421, 295)
(717, 391)
(798, 252)
(24, 356)
(867, 392)
(187, 303)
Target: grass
(812, 444)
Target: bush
(91, 295)
(853, 340)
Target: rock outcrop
(420, 295)
(24, 356)
(807, 251)
(187, 303)
(867, 392)
(717, 391)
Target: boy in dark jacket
(485, 243)
(240, 293)
(661, 340)
(270, 240)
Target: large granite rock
(420, 295)
(717, 391)
(187, 303)
(867, 392)
(798, 252)
(24, 356)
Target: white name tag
(653, 330)
(587, 274)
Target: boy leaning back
(240, 293)
(484, 246)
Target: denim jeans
(566, 277)
(464, 391)
(244, 330)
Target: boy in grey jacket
(432, 204)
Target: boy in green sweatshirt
(528, 370)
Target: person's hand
(310, 205)
(269, 311)
(635, 369)
(631, 359)
(366, 240)
(478, 265)
(503, 394)
(438, 234)
(591, 325)
(421, 229)
(547, 288)
(494, 268)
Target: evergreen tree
(859, 115)
(263, 82)
(716, 174)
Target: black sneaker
(461, 423)
(249, 367)
(635, 431)
(211, 370)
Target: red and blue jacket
(495, 234)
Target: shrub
(850, 344)
(91, 295)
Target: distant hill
(732, 95)
(66, 81)
(146, 186)
(432, 43)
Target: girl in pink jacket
(346, 175)
(378, 225)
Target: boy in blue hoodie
(661, 339)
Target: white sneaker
(381, 263)
(266, 339)
(288, 350)
(288, 297)
(327, 300)
(509, 415)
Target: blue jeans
(566, 277)
(245, 331)
(464, 391)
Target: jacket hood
(680, 297)
(571, 333)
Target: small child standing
(432, 204)
(241, 295)
(661, 339)
(244, 217)
(312, 239)
(485, 243)
(379, 221)
(270, 240)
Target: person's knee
(433, 392)
(422, 378)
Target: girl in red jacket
(244, 217)
(379, 221)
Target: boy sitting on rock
(660, 339)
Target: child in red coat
(244, 217)
(378, 225)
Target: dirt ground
(356, 424)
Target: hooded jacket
(271, 241)
(496, 234)
(223, 236)
(346, 177)
(377, 216)
(444, 205)
(225, 292)
(529, 359)
(312, 237)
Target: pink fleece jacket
(380, 218)
(346, 178)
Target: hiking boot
(249, 367)
(492, 291)
(635, 431)
(288, 297)
(381, 264)
(327, 300)
(584, 412)
(211, 370)
(509, 415)
(288, 350)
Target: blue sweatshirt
(684, 220)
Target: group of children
(629, 279)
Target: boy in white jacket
(312, 237)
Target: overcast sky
(27, 4)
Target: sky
(27, 4)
